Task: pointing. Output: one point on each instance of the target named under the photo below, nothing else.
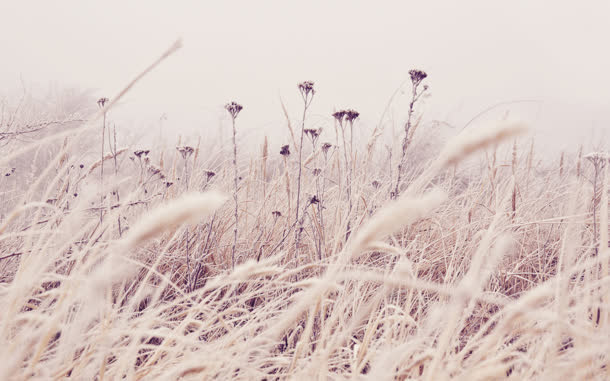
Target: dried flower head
(351, 115)
(168, 184)
(141, 152)
(317, 171)
(312, 134)
(154, 170)
(417, 76)
(102, 102)
(209, 174)
(598, 159)
(325, 147)
(285, 151)
(276, 213)
(339, 116)
(233, 109)
(314, 199)
(185, 151)
(306, 88)
(376, 184)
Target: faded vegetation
(321, 258)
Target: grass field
(325, 258)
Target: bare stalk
(307, 93)
(101, 103)
(417, 76)
(234, 109)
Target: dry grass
(468, 274)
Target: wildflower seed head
(598, 159)
(233, 108)
(313, 134)
(154, 170)
(276, 213)
(417, 76)
(285, 151)
(141, 152)
(102, 102)
(210, 174)
(168, 184)
(340, 115)
(306, 88)
(317, 171)
(376, 184)
(325, 147)
(351, 115)
(314, 199)
(185, 151)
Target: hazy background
(550, 57)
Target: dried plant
(417, 76)
(234, 109)
(307, 92)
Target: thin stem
(102, 171)
(235, 193)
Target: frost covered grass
(457, 272)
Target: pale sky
(476, 53)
